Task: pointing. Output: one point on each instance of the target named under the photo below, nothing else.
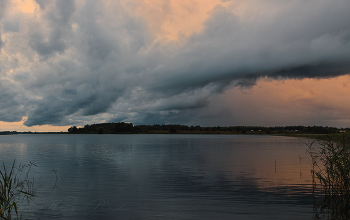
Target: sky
(192, 62)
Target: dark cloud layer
(80, 62)
(12, 107)
(321, 70)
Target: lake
(164, 176)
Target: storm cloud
(77, 62)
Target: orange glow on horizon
(18, 126)
(291, 102)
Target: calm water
(165, 176)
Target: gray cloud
(321, 70)
(11, 24)
(50, 36)
(2, 9)
(0, 41)
(84, 63)
(42, 4)
(12, 105)
(3, 6)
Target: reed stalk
(331, 167)
(15, 187)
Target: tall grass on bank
(331, 169)
(15, 187)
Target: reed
(331, 169)
(15, 187)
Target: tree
(73, 129)
(100, 130)
(172, 129)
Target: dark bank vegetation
(129, 128)
(331, 174)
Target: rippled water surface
(164, 176)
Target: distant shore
(287, 134)
(314, 132)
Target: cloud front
(66, 62)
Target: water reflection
(166, 176)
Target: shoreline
(310, 136)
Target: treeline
(129, 128)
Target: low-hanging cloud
(92, 61)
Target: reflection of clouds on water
(166, 175)
(7, 145)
